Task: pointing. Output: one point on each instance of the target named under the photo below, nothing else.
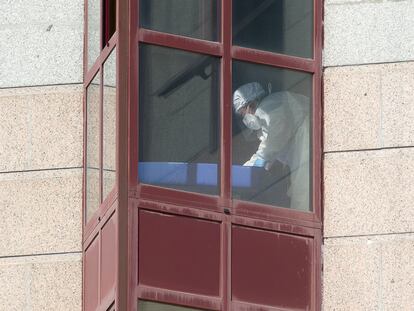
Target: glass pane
(271, 135)
(110, 19)
(92, 152)
(179, 119)
(156, 306)
(94, 22)
(281, 26)
(109, 124)
(190, 18)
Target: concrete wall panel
(397, 91)
(352, 100)
(368, 107)
(41, 283)
(369, 273)
(15, 283)
(41, 212)
(42, 42)
(398, 273)
(367, 31)
(351, 275)
(369, 192)
(40, 127)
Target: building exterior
(362, 254)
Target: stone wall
(41, 154)
(368, 155)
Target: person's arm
(277, 135)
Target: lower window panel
(179, 253)
(271, 268)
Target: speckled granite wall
(368, 156)
(41, 155)
(41, 42)
(41, 197)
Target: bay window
(214, 190)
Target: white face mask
(251, 121)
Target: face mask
(251, 121)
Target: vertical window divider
(123, 265)
(85, 41)
(135, 89)
(225, 161)
(225, 104)
(101, 88)
(85, 141)
(317, 110)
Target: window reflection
(271, 133)
(109, 125)
(178, 119)
(190, 18)
(281, 26)
(92, 152)
(109, 27)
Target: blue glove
(259, 162)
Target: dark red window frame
(129, 197)
(96, 239)
(222, 208)
(97, 68)
(108, 46)
(226, 52)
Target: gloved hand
(255, 161)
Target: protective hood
(247, 93)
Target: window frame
(106, 49)
(227, 52)
(129, 196)
(219, 208)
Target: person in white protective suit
(281, 120)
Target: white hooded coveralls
(284, 136)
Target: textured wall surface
(40, 128)
(368, 31)
(369, 192)
(369, 273)
(42, 212)
(41, 42)
(41, 283)
(368, 155)
(380, 96)
(41, 197)
(41, 154)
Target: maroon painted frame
(129, 196)
(109, 206)
(96, 68)
(227, 52)
(142, 196)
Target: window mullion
(226, 99)
(226, 137)
(101, 135)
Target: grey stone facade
(41, 154)
(368, 155)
